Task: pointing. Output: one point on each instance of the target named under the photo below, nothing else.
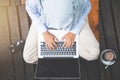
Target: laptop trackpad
(58, 69)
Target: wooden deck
(14, 26)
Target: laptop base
(61, 68)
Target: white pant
(88, 45)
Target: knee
(94, 54)
(29, 60)
(90, 55)
(30, 56)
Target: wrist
(72, 33)
(45, 33)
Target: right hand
(50, 40)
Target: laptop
(61, 63)
(59, 52)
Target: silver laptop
(59, 52)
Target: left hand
(68, 40)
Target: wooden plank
(101, 33)
(116, 70)
(14, 2)
(4, 2)
(23, 1)
(115, 6)
(13, 23)
(24, 22)
(109, 30)
(15, 36)
(6, 65)
(103, 72)
(110, 35)
(83, 69)
(93, 70)
(116, 11)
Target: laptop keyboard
(59, 51)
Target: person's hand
(50, 40)
(68, 40)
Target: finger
(68, 45)
(51, 46)
(47, 46)
(63, 38)
(54, 44)
(71, 45)
(55, 39)
(64, 44)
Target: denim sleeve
(82, 18)
(35, 15)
